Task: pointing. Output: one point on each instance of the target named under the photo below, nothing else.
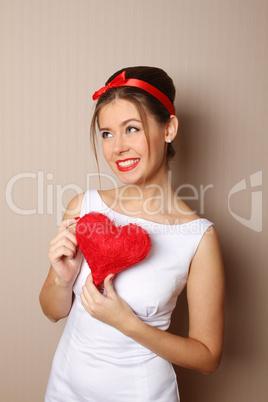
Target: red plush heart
(108, 249)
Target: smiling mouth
(127, 164)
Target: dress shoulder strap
(203, 225)
(91, 202)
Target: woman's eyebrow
(122, 124)
(129, 120)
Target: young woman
(115, 346)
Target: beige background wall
(54, 54)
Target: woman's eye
(106, 134)
(132, 129)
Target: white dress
(97, 363)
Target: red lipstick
(127, 168)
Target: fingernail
(112, 277)
(77, 218)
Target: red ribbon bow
(118, 81)
(121, 81)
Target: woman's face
(125, 146)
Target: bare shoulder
(209, 244)
(208, 257)
(74, 207)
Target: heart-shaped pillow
(108, 249)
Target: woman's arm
(205, 292)
(65, 257)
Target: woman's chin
(130, 179)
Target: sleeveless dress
(95, 362)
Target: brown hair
(142, 100)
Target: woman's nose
(120, 145)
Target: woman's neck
(150, 197)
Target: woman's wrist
(65, 285)
(132, 326)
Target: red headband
(121, 81)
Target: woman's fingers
(67, 223)
(108, 285)
(64, 247)
(67, 227)
(66, 239)
(67, 234)
(60, 252)
(90, 291)
(90, 295)
(91, 288)
(89, 280)
(85, 299)
(110, 309)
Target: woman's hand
(64, 254)
(56, 296)
(111, 308)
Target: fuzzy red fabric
(108, 249)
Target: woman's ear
(171, 128)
